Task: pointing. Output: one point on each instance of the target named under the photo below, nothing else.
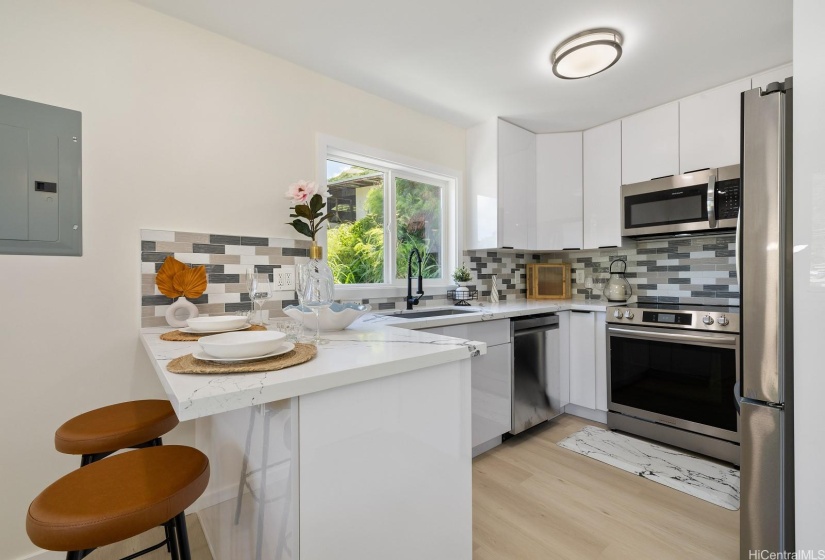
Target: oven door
(677, 378)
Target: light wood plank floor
(197, 544)
(533, 500)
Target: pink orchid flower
(301, 191)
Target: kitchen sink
(434, 313)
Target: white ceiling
(468, 60)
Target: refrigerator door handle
(738, 248)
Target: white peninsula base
(374, 470)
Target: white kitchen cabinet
(582, 359)
(650, 144)
(709, 127)
(587, 361)
(501, 163)
(491, 379)
(558, 191)
(601, 186)
(773, 75)
(600, 326)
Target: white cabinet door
(582, 359)
(601, 359)
(491, 388)
(709, 127)
(516, 184)
(482, 186)
(773, 75)
(602, 183)
(564, 357)
(650, 144)
(558, 191)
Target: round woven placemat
(179, 336)
(190, 364)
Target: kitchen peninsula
(368, 445)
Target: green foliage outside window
(356, 249)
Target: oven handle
(719, 339)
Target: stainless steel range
(671, 372)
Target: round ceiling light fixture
(587, 53)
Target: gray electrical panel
(40, 204)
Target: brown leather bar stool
(99, 433)
(118, 498)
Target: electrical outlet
(588, 282)
(580, 277)
(283, 279)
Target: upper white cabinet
(650, 144)
(602, 182)
(501, 172)
(773, 75)
(558, 191)
(709, 127)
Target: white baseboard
(586, 413)
(44, 555)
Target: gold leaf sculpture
(175, 279)
(191, 282)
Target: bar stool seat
(114, 427)
(117, 498)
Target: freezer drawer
(766, 490)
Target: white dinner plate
(190, 330)
(283, 349)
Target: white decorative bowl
(217, 323)
(336, 317)
(242, 344)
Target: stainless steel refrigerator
(764, 255)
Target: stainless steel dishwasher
(536, 370)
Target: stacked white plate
(243, 346)
(216, 324)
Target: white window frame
(395, 165)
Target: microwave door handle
(712, 201)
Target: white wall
(809, 295)
(182, 130)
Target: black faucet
(410, 299)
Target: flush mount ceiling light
(587, 53)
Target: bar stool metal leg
(182, 537)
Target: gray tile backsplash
(694, 270)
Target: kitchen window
(382, 211)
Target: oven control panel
(700, 319)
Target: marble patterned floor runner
(703, 479)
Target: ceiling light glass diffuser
(587, 53)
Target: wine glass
(300, 274)
(258, 286)
(318, 292)
(250, 288)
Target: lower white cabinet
(588, 360)
(491, 377)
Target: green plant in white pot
(461, 275)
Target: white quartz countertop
(486, 312)
(367, 350)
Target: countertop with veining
(367, 350)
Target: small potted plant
(462, 274)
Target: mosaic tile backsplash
(695, 270)
(226, 258)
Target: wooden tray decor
(178, 336)
(189, 364)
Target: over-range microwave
(705, 200)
